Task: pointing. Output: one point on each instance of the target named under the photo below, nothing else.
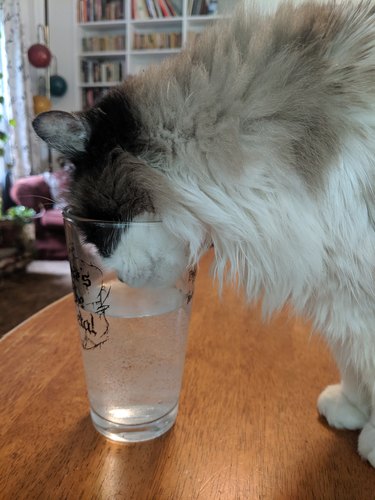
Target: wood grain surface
(247, 426)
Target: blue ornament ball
(58, 85)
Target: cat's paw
(339, 411)
(366, 443)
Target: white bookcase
(131, 59)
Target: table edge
(32, 317)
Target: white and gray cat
(259, 138)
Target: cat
(257, 139)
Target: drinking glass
(133, 340)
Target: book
(170, 8)
(157, 40)
(157, 8)
(103, 43)
(203, 11)
(141, 11)
(151, 8)
(190, 7)
(99, 10)
(95, 71)
(164, 8)
(196, 7)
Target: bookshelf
(117, 38)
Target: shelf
(203, 18)
(98, 84)
(103, 25)
(103, 54)
(157, 22)
(154, 52)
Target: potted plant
(17, 237)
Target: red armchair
(44, 193)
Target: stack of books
(150, 9)
(101, 71)
(99, 10)
(145, 41)
(103, 43)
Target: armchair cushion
(38, 192)
(32, 192)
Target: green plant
(20, 214)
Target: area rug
(24, 293)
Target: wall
(61, 19)
(62, 45)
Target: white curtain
(24, 146)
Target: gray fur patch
(286, 78)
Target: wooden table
(247, 426)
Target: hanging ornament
(58, 84)
(41, 104)
(39, 54)
(41, 101)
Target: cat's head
(111, 182)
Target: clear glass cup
(133, 340)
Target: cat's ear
(65, 132)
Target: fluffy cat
(259, 138)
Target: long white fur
(307, 237)
(148, 255)
(287, 242)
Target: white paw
(366, 443)
(339, 411)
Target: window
(6, 157)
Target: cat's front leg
(366, 442)
(345, 405)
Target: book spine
(164, 8)
(84, 11)
(158, 9)
(151, 8)
(170, 8)
(142, 12)
(190, 7)
(157, 40)
(204, 8)
(90, 6)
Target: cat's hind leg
(366, 442)
(351, 404)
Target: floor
(24, 293)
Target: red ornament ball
(39, 55)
